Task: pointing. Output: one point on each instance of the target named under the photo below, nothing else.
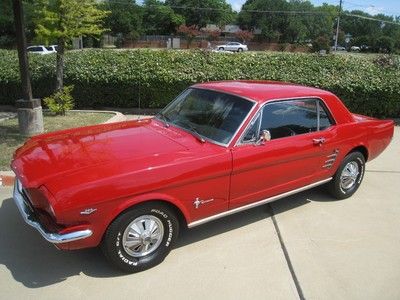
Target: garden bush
(122, 78)
(61, 101)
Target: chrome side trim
(255, 204)
(54, 238)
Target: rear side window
(289, 118)
(35, 49)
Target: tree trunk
(22, 52)
(60, 64)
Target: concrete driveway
(312, 247)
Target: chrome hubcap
(143, 236)
(349, 175)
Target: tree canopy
(159, 18)
(62, 20)
(208, 11)
(282, 21)
(125, 18)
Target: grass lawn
(11, 140)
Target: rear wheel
(348, 177)
(141, 237)
(221, 48)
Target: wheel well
(362, 149)
(181, 218)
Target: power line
(278, 12)
(371, 19)
(244, 10)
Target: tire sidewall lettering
(168, 238)
(360, 164)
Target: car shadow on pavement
(36, 263)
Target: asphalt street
(313, 247)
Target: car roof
(262, 91)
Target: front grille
(38, 214)
(27, 201)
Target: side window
(325, 120)
(288, 118)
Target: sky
(373, 7)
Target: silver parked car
(233, 46)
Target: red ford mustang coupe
(217, 149)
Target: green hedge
(119, 78)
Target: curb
(7, 178)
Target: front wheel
(348, 177)
(141, 237)
(240, 50)
(221, 48)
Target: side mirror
(265, 136)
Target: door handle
(319, 141)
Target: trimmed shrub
(154, 77)
(61, 101)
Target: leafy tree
(385, 44)
(287, 27)
(271, 25)
(62, 20)
(212, 34)
(7, 31)
(213, 11)
(321, 43)
(189, 32)
(159, 18)
(244, 35)
(124, 19)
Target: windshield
(213, 115)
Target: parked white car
(355, 48)
(233, 46)
(40, 49)
(52, 48)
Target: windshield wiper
(193, 131)
(164, 118)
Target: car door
(291, 156)
(231, 46)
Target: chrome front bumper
(30, 218)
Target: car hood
(60, 153)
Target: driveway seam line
(286, 253)
(382, 171)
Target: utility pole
(338, 24)
(30, 116)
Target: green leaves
(120, 78)
(67, 19)
(61, 101)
